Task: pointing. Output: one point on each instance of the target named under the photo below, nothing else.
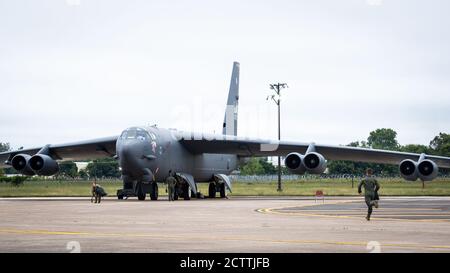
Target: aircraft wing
(81, 150)
(255, 147)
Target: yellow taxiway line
(287, 212)
(163, 236)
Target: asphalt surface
(238, 224)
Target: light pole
(277, 99)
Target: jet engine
(428, 170)
(294, 162)
(312, 162)
(315, 163)
(43, 164)
(425, 169)
(21, 163)
(408, 170)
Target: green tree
(4, 147)
(252, 167)
(259, 166)
(83, 174)
(68, 168)
(348, 167)
(440, 145)
(415, 148)
(268, 167)
(106, 167)
(383, 139)
(341, 167)
(17, 181)
(356, 144)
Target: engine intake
(315, 163)
(312, 162)
(428, 170)
(44, 165)
(408, 170)
(293, 162)
(425, 169)
(21, 163)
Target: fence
(306, 177)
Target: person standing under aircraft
(97, 192)
(171, 181)
(93, 192)
(371, 187)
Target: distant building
(81, 165)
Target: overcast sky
(81, 69)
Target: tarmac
(237, 225)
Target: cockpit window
(135, 133)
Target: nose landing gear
(154, 191)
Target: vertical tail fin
(231, 112)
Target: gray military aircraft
(147, 154)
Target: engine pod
(315, 163)
(408, 170)
(428, 170)
(21, 163)
(44, 165)
(294, 162)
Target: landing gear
(154, 191)
(176, 193)
(140, 191)
(128, 188)
(222, 190)
(141, 196)
(212, 190)
(218, 185)
(186, 191)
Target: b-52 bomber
(147, 154)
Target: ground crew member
(371, 188)
(171, 181)
(93, 192)
(97, 192)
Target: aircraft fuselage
(148, 153)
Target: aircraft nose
(130, 153)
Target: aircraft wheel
(154, 191)
(222, 191)
(186, 192)
(175, 194)
(141, 196)
(120, 197)
(212, 190)
(127, 181)
(140, 192)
